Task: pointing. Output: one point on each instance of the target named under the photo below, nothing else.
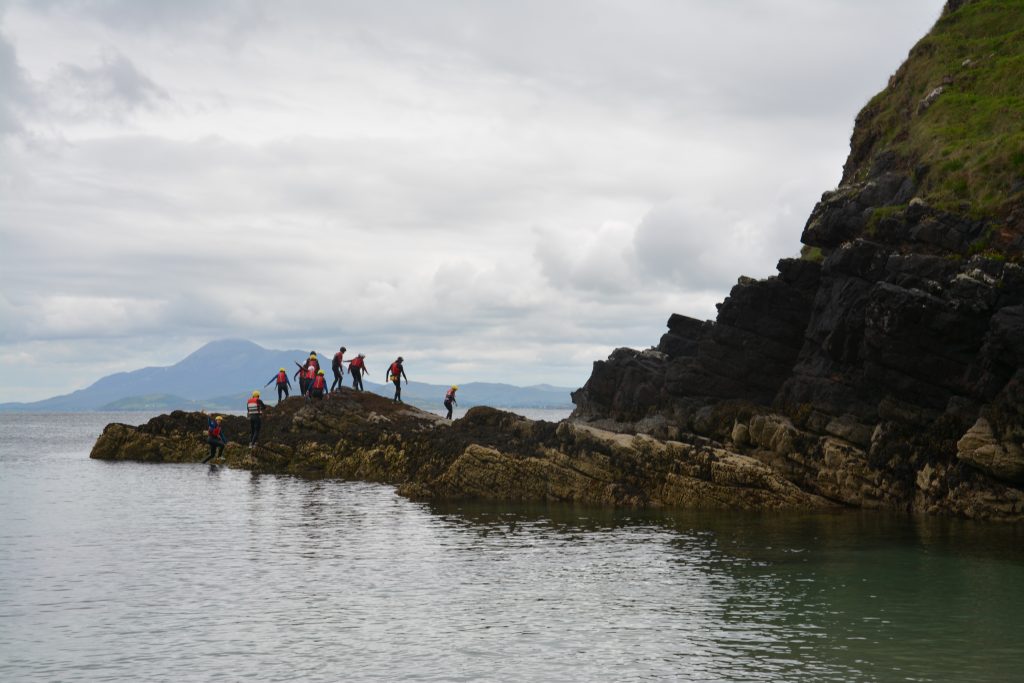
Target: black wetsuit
(449, 402)
(357, 373)
(338, 371)
(215, 437)
(282, 387)
(255, 411)
(395, 373)
(318, 391)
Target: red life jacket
(356, 362)
(311, 371)
(396, 370)
(214, 432)
(313, 361)
(320, 382)
(282, 377)
(338, 357)
(449, 394)
(252, 407)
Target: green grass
(967, 148)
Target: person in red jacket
(395, 374)
(254, 408)
(215, 437)
(309, 373)
(283, 385)
(357, 368)
(318, 386)
(337, 368)
(449, 400)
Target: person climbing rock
(309, 374)
(395, 374)
(313, 359)
(283, 385)
(449, 400)
(318, 386)
(215, 437)
(357, 368)
(300, 375)
(254, 408)
(337, 368)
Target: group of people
(312, 380)
(313, 385)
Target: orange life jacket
(282, 377)
(396, 370)
(252, 406)
(320, 382)
(450, 394)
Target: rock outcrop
(488, 454)
(884, 368)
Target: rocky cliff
(884, 367)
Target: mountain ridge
(220, 375)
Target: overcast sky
(498, 191)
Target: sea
(142, 572)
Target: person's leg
(337, 380)
(448, 405)
(213, 450)
(398, 390)
(258, 425)
(281, 389)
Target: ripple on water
(123, 571)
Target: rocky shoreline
(488, 454)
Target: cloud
(113, 88)
(17, 92)
(503, 190)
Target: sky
(498, 191)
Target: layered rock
(489, 454)
(884, 369)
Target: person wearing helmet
(317, 386)
(449, 400)
(307, 373)
(395, 374)
(357, 368)
(283, 385)
(254, 408)
(337, 368)
(215, 437)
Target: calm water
(123, 571)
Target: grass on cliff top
(971, 138)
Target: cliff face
(884, 368)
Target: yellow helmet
(282, 370)
(256, 394)
(455, 387)
(319, 372)
(218, 418)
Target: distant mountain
(220, 375)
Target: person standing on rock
(309, 374)
(337, 368)
(254, 408)
(449, 400)
(215, 437)
(318, 386)
(395, 374)
(283, 385)
(357, 368)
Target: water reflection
(131, 572)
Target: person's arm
(404, 375)
(272, 379)
(262, 405)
